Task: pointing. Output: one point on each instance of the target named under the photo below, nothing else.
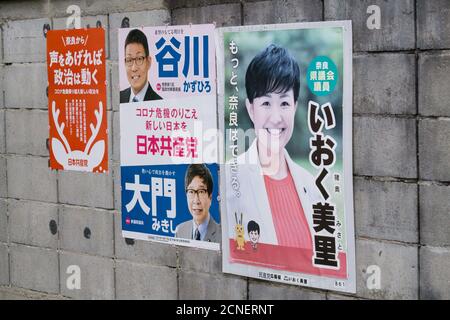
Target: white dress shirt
(140, 95)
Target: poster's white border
(321, 282)
(173, 241)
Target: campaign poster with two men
(168, 135)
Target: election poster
(285, 106)
(168, 135)
(77, 100)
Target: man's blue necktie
(135, 99)
(197, 234)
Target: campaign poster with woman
(286, 181)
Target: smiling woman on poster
(275, 193)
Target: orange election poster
(77, 100)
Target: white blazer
(253, 201)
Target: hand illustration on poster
(89, 158)
(168, 138)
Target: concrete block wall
(50, 221)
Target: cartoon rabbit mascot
(239, 229)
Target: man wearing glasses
(137, 65)
(199, 188)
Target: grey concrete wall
(52, 220)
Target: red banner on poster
(77, 100)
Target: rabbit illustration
(239, 229)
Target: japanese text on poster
(168, 136)
(77, 100)
(288, 214)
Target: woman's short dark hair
(137, 36)
(201, 171)
(272, 70)
(252, 226)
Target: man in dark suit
(137, 65)
(199, 187)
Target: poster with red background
(77, 100)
